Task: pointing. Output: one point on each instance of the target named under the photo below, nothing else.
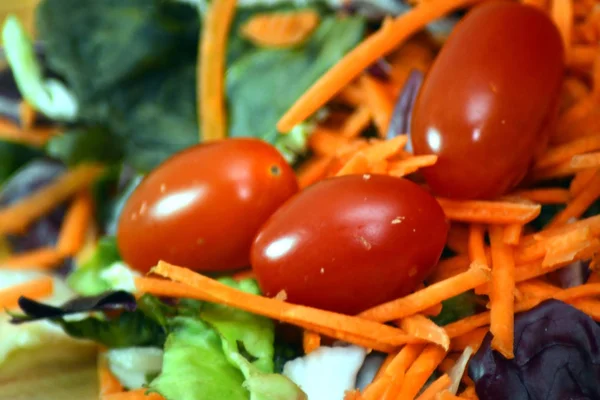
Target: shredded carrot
(477, 244)
(593, 223)
(357, 122)
(576, 207)
(581, 181)
(472, 339)
(324, 322)
(421, 326)
(566, 151)
(42, 258)
(469, 393)
(468, 324)
(310, 341)
(562, 14)
(358, 164)
(16, 218)
(450, 267)
(410, 165)
(489, 212)
(446, 395)
(280, 29)
(376, 389)
(211, 69)
(139, 394)
(107, 382)
(501, 299)
(326, 142)
(389, 37)
(433, 310)
(75, 225)
(314, 170)
(545, 195)
(584, 161)
(512, 234)
(379, 102)
(353, 95)
(441, 383)
(31, 137)
(397, 369)
(26, 115)
(353, 395)
(384, 149)
(35, 289)
(536, 3)
(430, 296)
(420, 371)
(458, 238)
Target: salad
(309, 199)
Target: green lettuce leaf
(87, 278)
(458, 307)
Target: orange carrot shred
(581, 181)
(490, 212)
(421, 370)
(458, 238)
(107, 382)
(32, 137)
(450, 267)
(583, 161)
(446, 395)
(477, 244)
(376, 389)
(389, 37)
(379, 102)
(469, 393)
(75, 225)
(501, 299)
(562, 14)
(15, 218)
(410, 165)
(357, 122)
(384, 149)
(310, 341)
(314, 170)
(42, 258)
(441, 383)
(211, 69)
(512, 234)
(576, 207)
(545, 195)
(139, 394)
(398, 367)
(35, 289)
(26, 115)
(326, 142)
(472, 339)
(421, 326)
(280, 29)
(564, 152)
(430, 296)
(358, 164)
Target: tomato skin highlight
(348, 243)
(203, 206)
(489, 100)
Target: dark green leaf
(79, 145)
(14, 156)
(458, 307)
(86, 278)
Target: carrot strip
(75, 225)
(428, 297)
(208, 289)
(583, 161)
(545, 196)
(441, 383)
(458, 238)
(422, 327)
(389, 37)
(15, 218)
(211, 69)
(564, 248)
(420, 371)
(469, 393)
(468, 324)
(379, 103)
(472, 339)
(477, 245)
(580, 203)
(501, 299)
(32, 137)
(581, 181)
(326, 142)
(450, 267)
(410, 165)
(446, 395)
(107, 382)
(398, 367)
(512, 234)
(564, 152)
(42, 258)
(358, 164)
(353, 395)
(313, 170)
(26, 115)
(583, 56)
(352, 95)
(35, 289)
(489, 212)
(357, 122)
(310, 341)
(562, 14)
(376, 389)
(139, 394)
(593, 223)
(280, 29)
(384, 149)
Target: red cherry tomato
(202, 207)
(348, 243)
(488, 101)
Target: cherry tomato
(202, 207)
(348, 243)
(489, 99)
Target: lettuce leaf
(87, 278)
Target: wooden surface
(50, 373)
